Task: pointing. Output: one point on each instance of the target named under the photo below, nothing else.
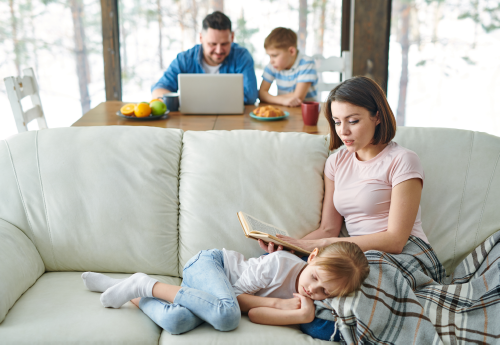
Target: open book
(256, 229)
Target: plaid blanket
(407, 299)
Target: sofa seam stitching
(179, 208)
(21, 194)
(485, 199)
(44, 202)
(462, 198)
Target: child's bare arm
(301, 90)
(279, 317)
(292, 99)
(248, 302)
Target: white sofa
(142, 199)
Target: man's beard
(216, 62)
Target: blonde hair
(344, 261)
(281, 38)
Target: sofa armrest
(20, 265)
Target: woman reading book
(372, 183)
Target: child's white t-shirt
(272, 275)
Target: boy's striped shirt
(302, 71)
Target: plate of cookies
(269, 113)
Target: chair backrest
(332, 64)
(17, 89)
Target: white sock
(138, 285)
(98, 282)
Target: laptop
(206, 94)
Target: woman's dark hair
(217, 21)
(366, 93)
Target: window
(68, 62)
(443, 64)
(153, 33)
(62, 42)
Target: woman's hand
(288, 304)
(307, 308)
(270, 247)
(304, 244)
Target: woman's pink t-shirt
(363, 188)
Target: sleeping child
(218, 285)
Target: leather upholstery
(58, 309)
(128, 199)
(461, 195)
(98, 199)
(20, 265)
(247, 333)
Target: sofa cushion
(276, 177)
(20, 265)
(58, 309)
(247, 333)
(461, 194)
(100, 198)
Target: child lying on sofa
(275, 289)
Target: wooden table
(105, 115)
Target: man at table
(216, 54)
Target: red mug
(310, 113)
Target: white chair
(332, 64)
(17, 89)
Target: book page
(257, 225)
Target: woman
(374, 184)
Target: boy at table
(294, 73)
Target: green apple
(158, 108)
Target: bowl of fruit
(153, 110)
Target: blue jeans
(206, 295)
(320, 329)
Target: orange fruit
(128, 109)
(142, 110)
(154, 100)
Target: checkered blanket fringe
(407, 299)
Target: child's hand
(307, 307)
(289, 304)
(292, 102)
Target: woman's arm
(405, 200)
(248, 302)
(278, 317)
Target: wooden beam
(111, 50)
(370, 39)
(345, 32)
